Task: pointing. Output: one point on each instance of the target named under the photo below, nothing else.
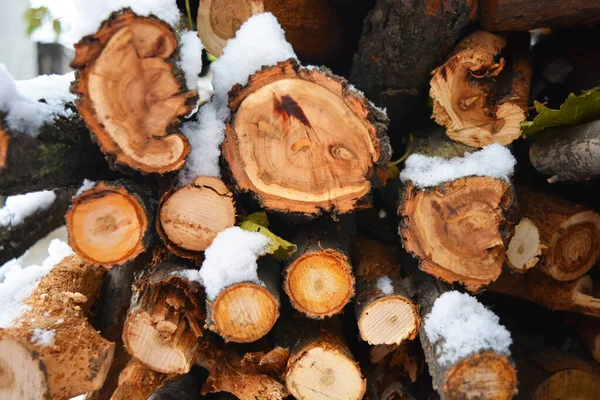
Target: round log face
(323, 373)
(300, 141)
(524, 250)
(130, 105)
(320, 283)
(4, 140)
(569, 384)
(106, 225)
(389, 320)
(22, 374)
(244, 312)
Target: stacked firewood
(262, 243)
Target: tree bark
(16, 239)
(308, 170)
(384, 311)
(165, 319)
(525, 248)
(137, 382)
(134, 121)
(385, 384)
(110, 223)
(318, 278)
(313, 27)
(575, 296)
(569, 233)
(525, 15)
(402, 41)
(244, 312)
(182, 387)
(190, 217)
(480, 94)
(569, 153)
(78, 359)
(483, 374)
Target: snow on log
(47, 347)
(190, 217)
(309, 169)
(164, 321)
(109, 224)
(130, 94)
(384, 310)
(480, 94)
(318, 278)
(569, 233)
(313, 27)
(466, 348)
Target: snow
(385, 285)
(231, 258)
(20, 100)
(19, 282)
(190, 54)
(260, 41)
(493, 160)
(463, 326)
(19, 207)
(205, 136)
(42, 337)
(86, 185)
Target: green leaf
(56, 28)
(34, 17)
(210, 57)
(258, 222)
(575, 110)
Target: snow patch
(190, 54)
(463, 326)
(231, 258)
(493, 160)
(259, 42)
(42, 337)
(86, 185)
(385, 285)
(17, 208)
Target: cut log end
(524, 249)
(244, 312)
(389, 320)
(4, 140)
(191, 217)
(456, 230)
(22, 373)
(467, 99)
(281, 143)
(483, 376)
(569, 384)
(321, 369)
(107, 225)
(132, 106)
(319, 283)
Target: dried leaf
(258, 222)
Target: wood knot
(327, 377)
(7, 375)
(465, 103)
(105, 224)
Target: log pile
(264, 245)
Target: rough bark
(182, 387)
(308, 170)
(385, 384)
(570, 153)
(384, 310)
(525, 15)
(318, 278)
(569, 233)
(402, 41)
(313, 27)
(483, 374)
(525, 248)
(575, 296)
(16, 239)
(480, 94)
(110, 224)
(165, 318)
(190, 217)
(78, 360)
(134, 121)
(137, 382)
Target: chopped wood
(280, 143)
(110, 223)
(384, 311)
(191, 217)
(137, 382)
(78, 360)
(133, 107)
(525, 247)
(387, 384)
(569, 233)
(313, 27)
(165, 318)
(479, 95)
